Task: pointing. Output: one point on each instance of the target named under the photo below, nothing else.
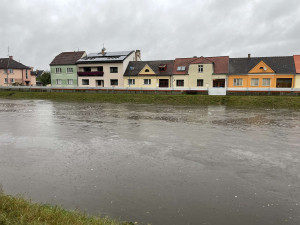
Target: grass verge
(16, 210)
(197, 100)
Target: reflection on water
(155, 164)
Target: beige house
(104, 69)
(15, 73)
(149, 74)
(297, 76)
(202, 72)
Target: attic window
(147, 71)
(162, 67)
(131, 68)
(261, 68)
(181, 68)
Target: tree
(45, 78)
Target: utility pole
(7, 64)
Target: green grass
(197, 100)
(17, 211)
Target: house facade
(104, 69)
(297, 66)
(200, 72)
(15, 73)
(149, 74)
(262, 72)
(64, 70)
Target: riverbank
(16, 210)
(188, 100)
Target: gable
(146, 71)
(261, 67)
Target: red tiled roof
(297, 63)
(220, 64)
(67, 58)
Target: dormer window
(147, 71)
(162, 67)
(181, 68)
(200, 68)
(131, 68)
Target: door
(219, 83)
(163, 83)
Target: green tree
(45, 78)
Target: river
(154, 164)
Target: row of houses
(126, 69)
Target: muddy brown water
(154, 164)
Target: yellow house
(261, 72)
(297, 65)
(200, 72)
(149, 74)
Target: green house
(64, 70)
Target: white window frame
(11, 70)
(147, 81)
(12, 80)
(111, 69)
(266, 79)
(5, 81)
(88, 81)
(69, 70)
(238, 82)
(58, 70)
(70, 81)
(131, 81)
(254, 80)
(58, 81)
(181, 68)
(200, 68)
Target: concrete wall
(64, 76)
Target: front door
(163, 83)
(219, 83)
(100, 83)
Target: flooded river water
(154, 164)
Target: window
(238, 82)
(57, 70)
(58, 81)
(162, 67)
(131, 81)
(114, 69)
(5, 80)
(70, 81)
(147, 81)
(114, 82)
(26, 74)
(147, 71)
(181, 68)
(179, 83)
(5, 71)
(85, 81)
(12, 80)
(200, 83)
(266, 82)
(10, 70)
(200, 68)
(87, 69)
(69, 70)
(100, 68)
(254, 82)
(131, 67)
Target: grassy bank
(234, 101)
(16, 210)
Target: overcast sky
(38, 30)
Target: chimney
(138, 55)
(103, 51)
(11, 57)
(249, 56)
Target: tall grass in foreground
(18, 211)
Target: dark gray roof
(280, 64)
(135, 67)
(11, 64)
(108, 57)
(37, 73)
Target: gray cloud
(37, 30)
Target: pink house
(15, 73)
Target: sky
(37, 30)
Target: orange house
(261, 72)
